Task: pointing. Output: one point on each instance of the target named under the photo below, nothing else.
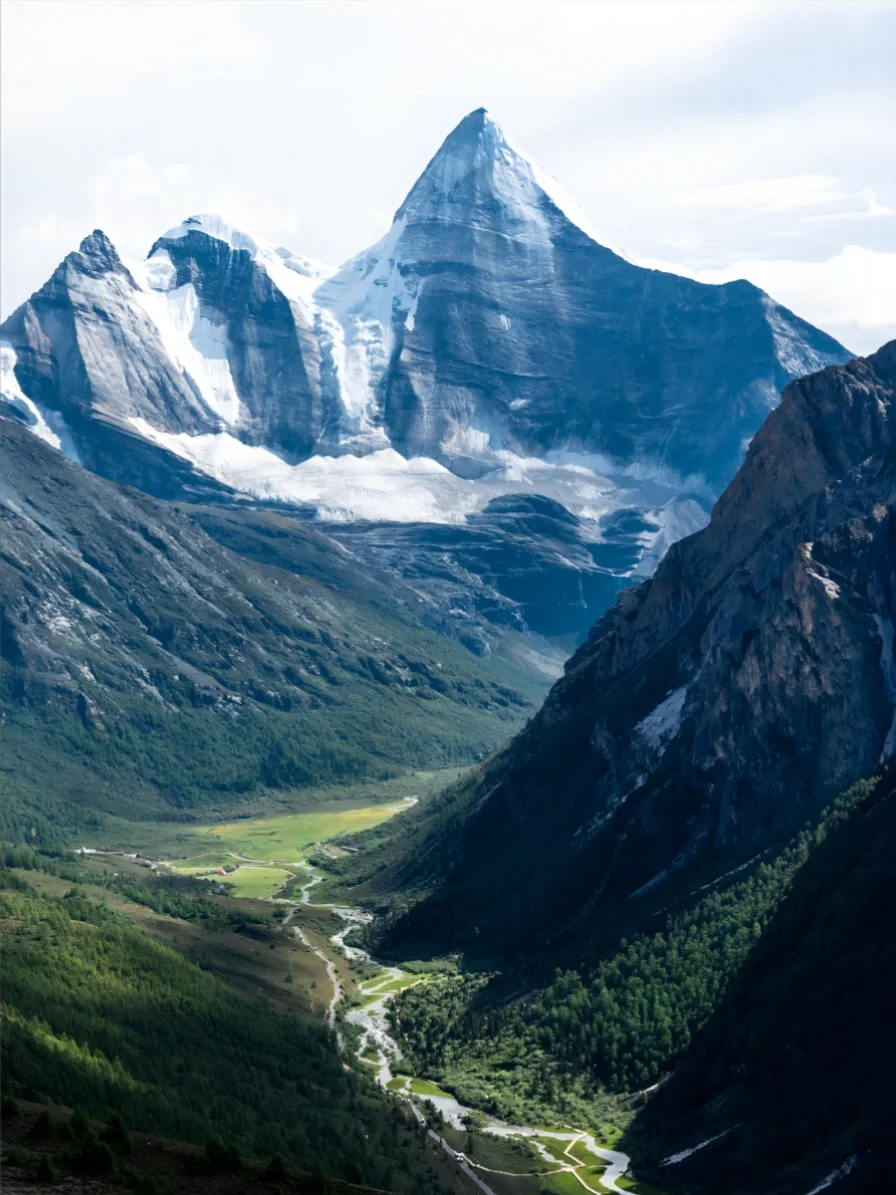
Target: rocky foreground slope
(713, 706)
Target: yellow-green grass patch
(250, 881)
(287, 838)
(425, 1088)
(555, 1149)
(561, 1184)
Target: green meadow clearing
(276, 832)
(286, 839)
(256, 883)
(252, 848)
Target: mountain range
(486, 347)
(271, 527)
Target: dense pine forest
(618, 1023)
(99, 1013)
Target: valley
(362, 991)
(448, 731)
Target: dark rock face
(512, 328)
(752, 677)
(522, 562)
(778, 613)
(271, 349)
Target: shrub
(9, 1106)
(79, 1122)
(222, 1154)
(43, 1126)
(95, 1157)
(116, 1133)
(46, 1171)
(276, 1169)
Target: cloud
(59, 50)
(871, 211)
(308, 123)
(134, 201)
(769, 194)
(852, 295)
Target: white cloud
(871, 211)
(769, 194)
(309, 122)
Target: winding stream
(372, 1020)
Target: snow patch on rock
(841, 1172)
(48, 426)
(193, 335)
(831, 588)
(366, 308)
(663, 723)
(794, 354)
(675, 1159)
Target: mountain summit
(477, 168)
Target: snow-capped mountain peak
(490, 340)
(479, 166)
(214, 226)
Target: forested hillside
(100, 1011)
(623, 1016)
(147, 668)
(793, 1074)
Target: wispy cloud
(871, 211)
(769, 194)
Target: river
(372, 1020)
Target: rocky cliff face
(751, 677)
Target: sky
(714, 139)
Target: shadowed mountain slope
(710, 709)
